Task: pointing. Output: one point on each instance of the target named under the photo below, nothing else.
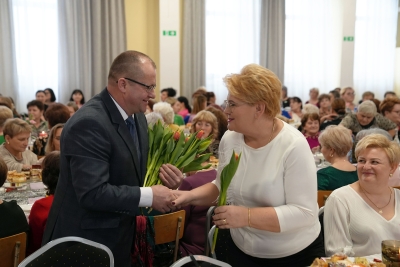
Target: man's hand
(171, 176)
(162, 198)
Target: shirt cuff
(146, 197)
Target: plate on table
(26, 207)
(14, 185)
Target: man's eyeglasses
(149, 88)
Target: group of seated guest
(367, 117)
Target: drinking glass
(391, 253)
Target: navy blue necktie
(130, 122)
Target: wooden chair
(12, 250)
(168, 228)
(322, 196)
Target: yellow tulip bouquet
(167, 146)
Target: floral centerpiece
(226, 177)
(167, 146)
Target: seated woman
(394, 180)
(13, 219)
(13, 151)
(77, 97)
(54, 138)
(347, 94)
(367, 117)
(182, 107)
(335, 143)
(296, 107)
(206, 121)
(338, 111)
(40, 209)
(167, 114)
(5, 114)
(324, 103)
(35, 110)
(390, 108)
(359, 216)
(310, 126)
(178, 120)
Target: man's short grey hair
(367, 107)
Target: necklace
(380, 209)
(273, 129)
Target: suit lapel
(141, 125)
(122, 130)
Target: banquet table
(25, 196)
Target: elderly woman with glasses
(367, 117)
(13, 151)
(271, 202)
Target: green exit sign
(169, 33)
(348, 39)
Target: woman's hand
(231, 217)
(182, 198)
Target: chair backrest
(200, 258)
(210, 239)
(209, 215)
(70, 251)
(323, 196)
(168, 228)
(12, 250)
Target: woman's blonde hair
(16, 126)
(50, 143)
(256, 84)
(338, 138)
(206, 116)
(391, 148)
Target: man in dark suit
(103, 163)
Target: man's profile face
(137, 96)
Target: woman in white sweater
(273, 213)
(359, 216)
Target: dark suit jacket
(98, 192)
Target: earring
(8, 143)
(331, 155)
(390, 175)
